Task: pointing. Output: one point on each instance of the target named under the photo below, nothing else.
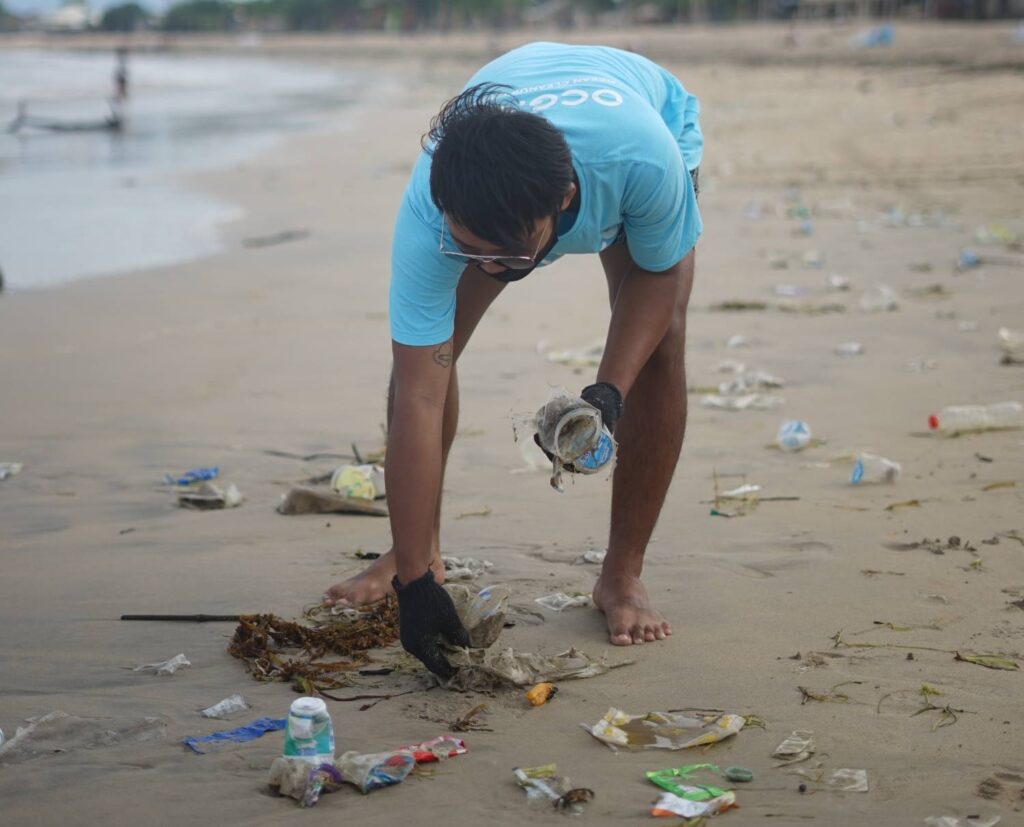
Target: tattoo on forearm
(443, 355)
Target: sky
(43, 6)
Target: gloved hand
(425, 613)
(607, 399)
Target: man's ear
(569, 196)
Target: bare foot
(372, 583)
(628, 611)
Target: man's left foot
(627, 609)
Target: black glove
(425, 613)
(607, 399)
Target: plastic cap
(933, 422)
(308, 706)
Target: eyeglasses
(521, 266)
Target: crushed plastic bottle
(961, 419)
(870, 468)
(793, 435)
(309, 734)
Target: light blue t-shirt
(633, 133)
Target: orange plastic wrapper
(541, 693)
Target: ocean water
(82, 204)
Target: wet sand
(897, 156)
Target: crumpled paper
(664, 730)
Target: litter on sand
(305, 782)
(366, 482)
(9, 469)
(798, 746)
(956, 821)
(226, 708)
(750, 401)
(748, 382)
(578, 357)
(193, 475)
(482, 614)
(664, 730)
(301, 500)
(544, 784)
(560, 601)
(1011, 343)
(541, 693)
(209, 497)
(164, 667)
(849, 349)
(218, 740)
(671, 780)
(483, 670)
(793, 435)
(672, 805)
(465, 568)
(845, 780)
(372, 772)
(595, 556)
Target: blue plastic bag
(193, 475)
(216, 740)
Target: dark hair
(495, 169)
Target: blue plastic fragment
(249, 732)
(194, 475)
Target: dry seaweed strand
(263, 641)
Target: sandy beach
(878, 166)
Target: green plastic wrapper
(671, 779)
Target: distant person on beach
(121, 76)
(550, 150)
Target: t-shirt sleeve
(660, 215)
(423, 282)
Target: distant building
(72, 16)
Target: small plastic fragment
(374, 771)
(673, 805)
(846, 780)
(226, 708)
(798, 746)
(541, 693)
(209, 497)
(201, 474)
(559, 601)
(436, 749)
(738, 774)
(249, 732)
(166, 667)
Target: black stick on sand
(186, 618)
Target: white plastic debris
(798, 746)
(837, 282)
(9, 469)
(560, 601)
(167, 667)
(878, 299)
(846, 780)
(578, 357)
(748, 382)
(670, 804)
(848, 349)
(594, 555)
(730, 366)
(363, 481)
(209, 497)
(740, 492)
(464, 568)
(224, 709)
(1011, 342)
(750, 401)
(956, 821)
(738, 340)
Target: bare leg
(475, 294)
(650, 436)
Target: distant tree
(200, 16)
(8, 22)
(128, 17)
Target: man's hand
(425, 614)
